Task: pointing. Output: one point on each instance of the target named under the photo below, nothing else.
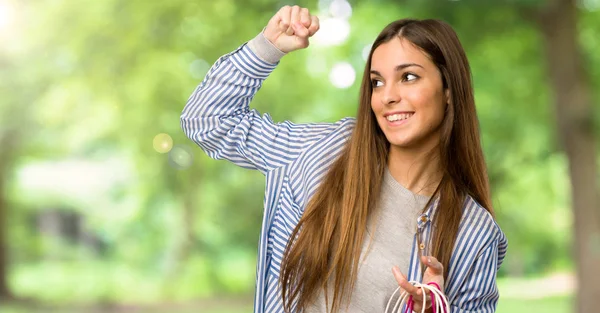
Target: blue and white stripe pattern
(294, 158)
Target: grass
(561, 304)
(544, 305)
(525, 295)
(225, 308)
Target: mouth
(398, 117)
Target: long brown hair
(325, 247)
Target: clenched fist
(290, 28)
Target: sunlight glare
(7, 14)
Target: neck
(418, 170)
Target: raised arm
(217, 115)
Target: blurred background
(105, 206)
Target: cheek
(438, 104)
(375, 104)
(431, 103)
(436, 110)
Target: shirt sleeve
(217, 116)
(479, 292)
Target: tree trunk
(187, 224)
(186, 185)
(4, 159)
(4, 290)
(574, 117)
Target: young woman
(350, 206)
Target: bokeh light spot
(332, 32)
(590, 5)
(199, 68)
(181, 157)
(340, 9)
(342, 75)
(162, 143)
(316, 65)
(7, 15)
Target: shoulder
(338, 131)
(343, 128)
(327, 139)
(477, 217)
(479, 228)
(346, 124)
(478, 253)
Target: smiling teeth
(398, 117)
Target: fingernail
(429, 260)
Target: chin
(399, 142)
(400, 145)
(413, 143)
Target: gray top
(389, 242)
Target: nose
(391, 95)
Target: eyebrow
(399, 68)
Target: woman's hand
(434, 273)
(290, 28)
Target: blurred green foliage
(87, 85)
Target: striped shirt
(294, 158)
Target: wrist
(265, 49)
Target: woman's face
(408, 97)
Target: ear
(447, 96)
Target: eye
(376, 83)
(409, 77)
